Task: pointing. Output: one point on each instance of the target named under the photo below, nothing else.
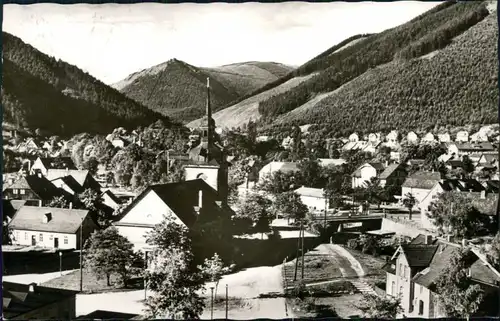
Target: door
(56, 242)
(33, 240)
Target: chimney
(39, 175)
(200, 199)
(386, 163)
(32, 287)
(464, 242)
(47, 217)
(428, 239)
(40, 203)
(483, 194)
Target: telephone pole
(297, 257)
(81, 257)
(302, 249)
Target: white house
(354, 137)
(480, 136)
(392, 139)
(366, 172)
(109, 199)
(412, 137)
(428, 138)
(313, 198)
(44, 164)
(323, 162)
(374, 137)
(444, 138)
(462, 136)
(184, 202)
(419, 184)
(48, 227)
(272, 167)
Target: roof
(311, 192)
(418, 255)
(18, 300)
(479, 146)
(280, 166)
(437, 264)
(490, 158)
(40, 185)
(379, 167)
(10, 207)
(422, 180)
(106, 315)
(461, 185)
(199, 152)
(455, 162)
(416, 161)
(389, 171)
(79, 175)
(493, 186)
(71, 182)
(112, 196)
(182, 197)
(58, 162)
(331, 161)
(64, 220)
(487, 205)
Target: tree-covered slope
(178, 89)
(41, 92)
(396, 88)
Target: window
(400, 269)
(51, 237)
(17, 236)
(65, 240)
(15, 191)
(41, 237)
(393, 288)
(420, 307)
(25, 235)
(22, 191)
(400, 291)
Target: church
(201, 196)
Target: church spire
(209, 121)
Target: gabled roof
(391, 169)
(63, 220)
(437, 264)
(416, 161)
(58, 162)
(81, 176)
(331, 161)
(418, 255)
(493, 186)
(379, 167)
(309, 191)
(71, 182)
(112, 196)
(479, 146)
(10, 207)
(18, 300)
(466, 185)
(280, 166)
(39, 185)
(182, 197)
(422, 179)
(106, 315)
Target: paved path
(34, 278)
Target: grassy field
(371, 265)
(91, 283)
(342, 306)
(317, 268)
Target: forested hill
(180, 88)
(439, 69)
(39, 91)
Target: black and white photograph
(252, 160)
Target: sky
(111, 41)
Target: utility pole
(168, 162)
(145, 268)
(81, 257)
(297, 257)
(302, 250)
(227, 298)
(212, 303)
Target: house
(10, 207)
(68, 184)
(313, 198)
(414, 269)
(395, 156)
(454, 163)
(411, 137)
(460, 149)
(371, 147)
(365, 173)
(428, 138)
(392, 139)
(480, 136)
(416, 163)
(462, 136)
(355, 145)
(119, 142)
(28, 146)
(49, 227)
(263, 138)
(43, 164)
(323, 162)
(186, 202)
(419, 184)
(374, 137)
(444, 138)
(109, 199)
(488, 162)
(33, 189)
(393, 175)
(272, 167)
(83, 177)
(354, 137)
(35, 302)
(107, 315)
(492, 186)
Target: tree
(59, 202)
(172, 276)
(109, 253)
(374, 193)
(369, 244)
(467, 165)
(278, 182)
(291, 206)
(91, 165)
(256, 208)
(93, 202)
(310, 172)
(454, 213)
(213, 269)
(409, 202)
(493, 253)
(459, 296)
(381, 307)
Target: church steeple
(208, 134)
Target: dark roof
(466, 185)
(437, 264)
(71, 182)
(423, 180)
(455, 162)
(389, 171)
(199, 152)
(112, 196)
(480, 146)
(377, 165)
(182, 197)
(18, 300)
(58, 162)
(418, 255)
(416, 161)
(83, 177)
(10, 207)
(40, 185)
(107, 315)
(487, 205)
(493, 186)
(63, 220)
